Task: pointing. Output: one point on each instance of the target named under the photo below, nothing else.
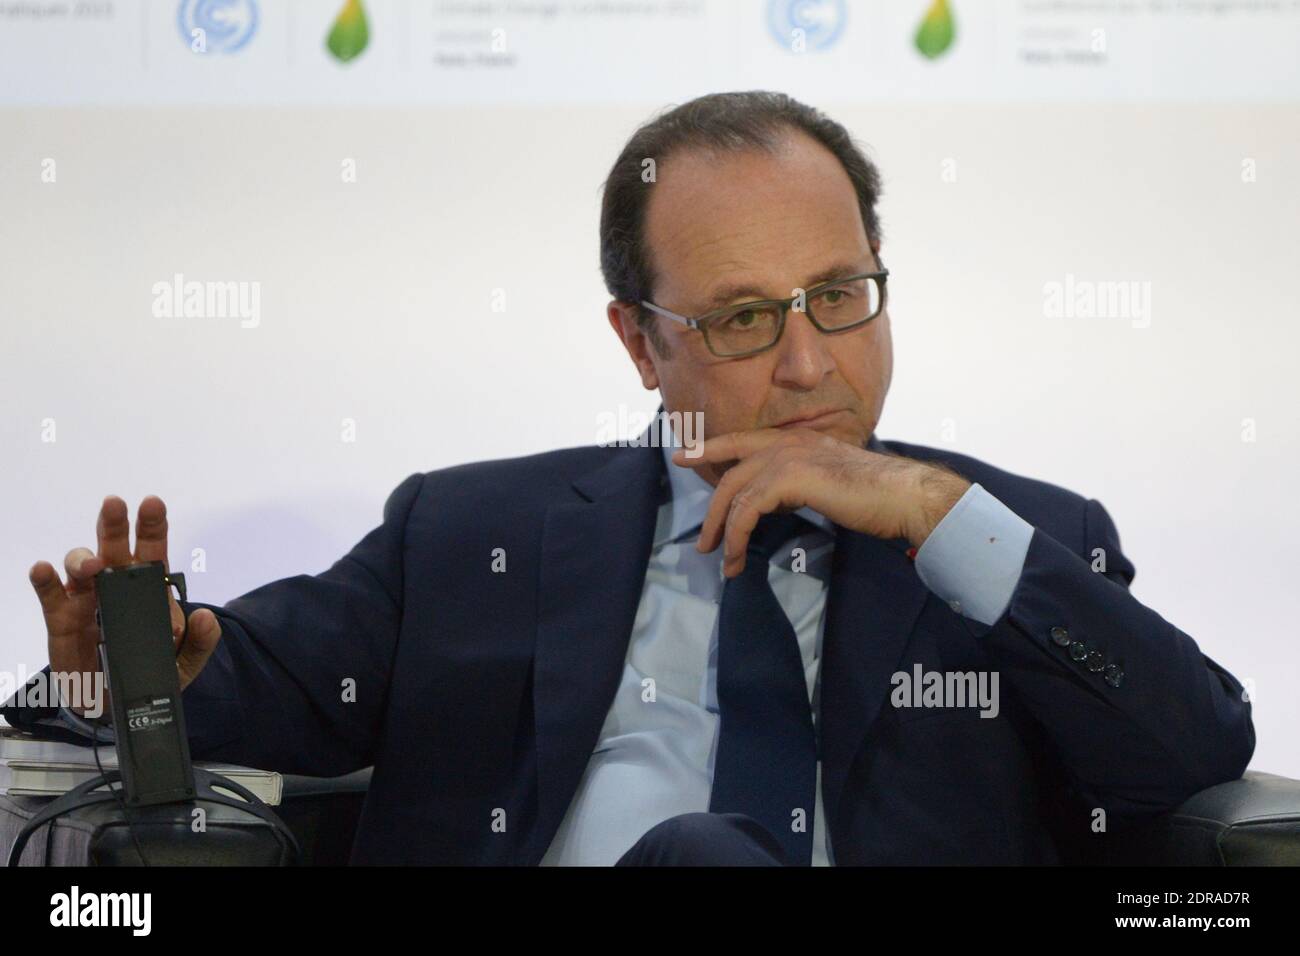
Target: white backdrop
(377, 307)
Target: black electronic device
(138, 657)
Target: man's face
(760, 225)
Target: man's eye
(743, 320)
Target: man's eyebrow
(747, 291)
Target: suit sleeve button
(1061, 637)
(1096, 662)
(1114, 675)
(1077, 651)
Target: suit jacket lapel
(595, 550)
(875, 598)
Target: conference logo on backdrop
(349, 33)
(936, 32)
(217, 26)
(803, 26)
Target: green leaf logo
(350, 34)
(937, 30)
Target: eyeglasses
(748, 328)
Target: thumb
(205, 631)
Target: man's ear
(622, 319)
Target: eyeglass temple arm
(689, 323)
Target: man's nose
(803, 354)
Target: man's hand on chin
(783, 469)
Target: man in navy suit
(788, 643)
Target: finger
(66, 627)
(177, 615)
(762, 496)
(151, 531)
(742, 518)
(715, 519)
(113, 530)
(82, 565)
(50, 592)
(732, 446)
(205, 632)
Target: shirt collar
(691, 495)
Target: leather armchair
(1254, 821)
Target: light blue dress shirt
(654, 756)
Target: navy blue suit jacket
(478, 695)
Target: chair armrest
(323, 812)
(1254, 821)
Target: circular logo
(817, 23)
(217, 26)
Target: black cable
(92, 731)
(117, 792)
(49, 842)
(207, 783)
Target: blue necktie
(766, 764)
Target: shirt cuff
(974, 556)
